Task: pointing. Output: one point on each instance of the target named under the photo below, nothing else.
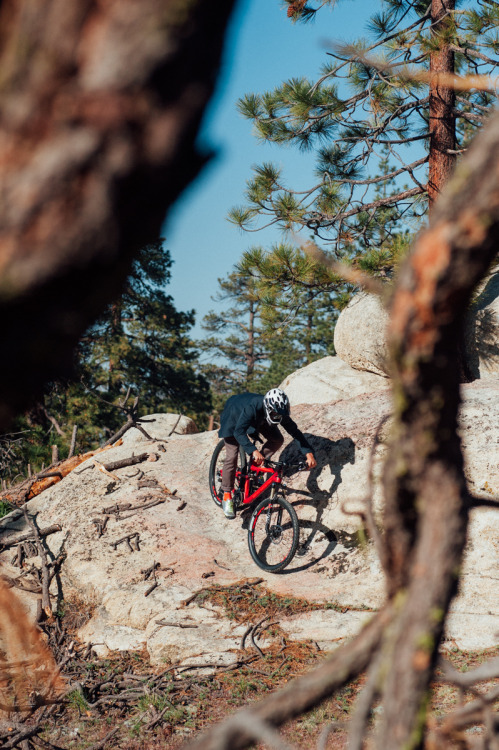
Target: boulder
(360, 334)
(329, 379)
(160, 427)
(482, 331)
(196, 546)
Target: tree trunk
(100, 106)
(250, 352)
(426, 499)
(442, 123)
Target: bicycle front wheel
(273, 534)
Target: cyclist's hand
(311, 462)
(257, 457)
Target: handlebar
(284, 467)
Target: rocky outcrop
(196, 546)
(360, 334)
(329, 379)
(482, 331)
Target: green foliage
(299, 307)
(140, 342)
(359, 112)
(77, 700)
(280, 317)
(234, 347)
(5, 508)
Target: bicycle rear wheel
(215, 473)
(273, 534)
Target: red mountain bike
(273, 532)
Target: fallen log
(113, 465)
(33, 486)
(28, 535)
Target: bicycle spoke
(273, 534)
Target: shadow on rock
(332, 455)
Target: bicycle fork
(269, 511)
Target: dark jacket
(244, 414)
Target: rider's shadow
(332, 455)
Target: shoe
(228, 505)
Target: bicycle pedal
(302, 550)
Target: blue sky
(263, 49)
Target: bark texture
(442, 123)
(100, 105)
(426, 513)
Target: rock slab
(330, 379)
(196, 546)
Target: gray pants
(274, 440)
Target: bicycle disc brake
(273, 531)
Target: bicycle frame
(245, 480)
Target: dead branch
(175, 425)
(151, 588)
(470, 713)
(482, 502)
(29, 536)
(29, 488)
(426, 513)
(372, 526)
(46, 603)
(434, 79)
(103, 469)
(148, 572)
(129, 538)
(487, 671)
(346, 272)
(118, 509)
(114, 465)
(133, 420)
(303, 693)
(104, 741)
(100, 525)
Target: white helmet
(276, 405)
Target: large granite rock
(482, 331)
(360, 334)
(329, 379)
(196, 546)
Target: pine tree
(269, 326)
(140, 342)
(300, 301)
(236, 345)
(366, 99)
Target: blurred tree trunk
(100, 106)
(426, 498)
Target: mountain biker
(252, 414)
